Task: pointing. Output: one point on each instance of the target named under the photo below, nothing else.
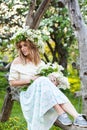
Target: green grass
(3, 81)
(16, 120)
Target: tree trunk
(80, 29)
(81, 34)
(30, 14)
(35, 20)
(68, 127)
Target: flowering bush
(14, 123)
(56, 71)
(38, 37)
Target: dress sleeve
(14, 74)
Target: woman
(42, 103)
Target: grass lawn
(16, 120)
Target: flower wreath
(38, 37)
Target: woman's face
(24, 48)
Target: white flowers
(36, 36)
(56, 71)
(63, 81)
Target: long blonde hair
(34, 55)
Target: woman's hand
(53, 79)
(35, 77)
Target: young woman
(42, 103)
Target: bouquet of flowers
(56, 71)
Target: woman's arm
(14, 75)
(16, 83)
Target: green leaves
(19, 38)
(47, 71)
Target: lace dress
(38, 100)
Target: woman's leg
(59, 109)
(63, 109)
(66, 107)
(70, 109)
(62, 115)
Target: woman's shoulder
(17, 60)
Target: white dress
(38, 100)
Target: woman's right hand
(35, 77)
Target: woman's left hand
(53, 79)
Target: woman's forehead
(23, 43)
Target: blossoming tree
(33, 20)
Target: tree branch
(30, 15)
(72, 127)
(46, 57)
(62, 3)
(39, 14)
(6, 67)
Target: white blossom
(36, 36)
(56, 71)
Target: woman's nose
(22, 47)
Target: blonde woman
(42, 103)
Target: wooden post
(7, 107)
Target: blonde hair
(34, 55)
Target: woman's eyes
(23, 46)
